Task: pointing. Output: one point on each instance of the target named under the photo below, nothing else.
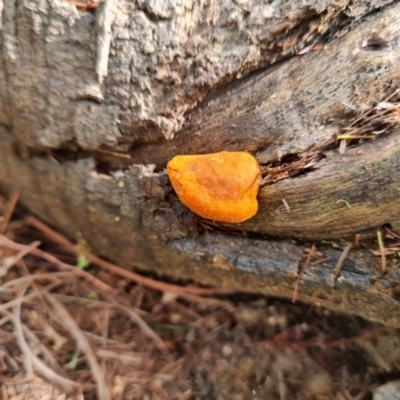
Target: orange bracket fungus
(221, 186)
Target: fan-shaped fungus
(221, 186)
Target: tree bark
(93, 105)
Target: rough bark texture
(76, 88)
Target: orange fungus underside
(221, 186)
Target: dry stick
(10, 210)
(36, 343)
(28, 279)
(364, 336)
(384, 363)
(13, 382)
(371, 118)
(382, 250)
(338, 266)
(46, 353)
(7, 243)
(356, 241)
(132, 313)
(281, 386)
(115, 269)
(320, 261)
(121, 358)
(300, 274)
(3, 321)
(105, 327)
(390, 232)
(28, 362)
(8, 262)
(9, 359)
(65, 299)
(67, 385)
(211, 302)
(3, 392)
(100, 339)
(70, 324)
(146, 330)
(369, 109)
(204, 302)
(54, 236)
(28, 297)
(84, 5)
(48, 356)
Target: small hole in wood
(374, 43)
(387, 226)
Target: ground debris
(378, 119)
(89, 333)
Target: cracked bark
(171, 72)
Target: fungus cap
(220, 186)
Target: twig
(132, 313)
(103, 392)
(114, 153)
(18, 328)
(3, 392)
(281, 386)
(382, 250)
(88, 5)
(390, 232)
(208, 302)
(8, 262)
(320, 261)
(146, 330)
(338, 266)
(24, 299)
(356, 241)
(47, 354)
(364, 336)
(65, 299)
(285, 203)
(133, 359)
(300, 274)
(381, 361)
(115, 269)
(3, 321)
(50, 233)
(12, 202)
(7, 243)
(13, 382)
(343, 201)
(363, 114)
(100, 339)
(352, 137)
(306, 49)
(67, 385)
(28, 279)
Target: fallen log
(87, 145)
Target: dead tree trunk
(95, 100)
